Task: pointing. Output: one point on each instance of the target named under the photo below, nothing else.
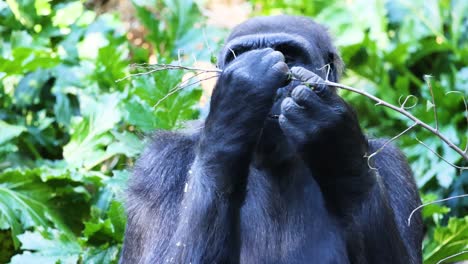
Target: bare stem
(433, 202)
(452, 256)
(388, 142)
(160, 67)
(181, 87)
(402, 111)
(439, 156)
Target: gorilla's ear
(336, 65)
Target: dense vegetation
(69, 133)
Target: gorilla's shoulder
(391, 161)
(164, 163)
(386, 148)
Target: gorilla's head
(303, 43)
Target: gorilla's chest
(284, 220)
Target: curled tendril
(407, 98)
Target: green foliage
(69, 131)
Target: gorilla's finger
(305, 75)
(313, 80)
(291, 130)
(305, 97)
(281, 66)
(291, 109)
(274, 56)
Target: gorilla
(278, 171)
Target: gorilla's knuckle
(236, 73)
(288, 104)
(301, 92)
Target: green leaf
(102, 254)
(23, 200)
(53, 248)
(126, 144)
(118, 218)
(429, 105)
(8, 132)
(90, 132)
(435, 211)
(24, 11)
(447, 241)
(67, 14)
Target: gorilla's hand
(240, 103)
(321, 125)
(245, 91)
(249, 83)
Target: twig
(160, 67)
(466, 112)
(181, 87)
(440, 157)
(184, 82)
(403, 105)
(433, 202)
(452, 256)
(403, 112)
(328, 70)
(388, 142)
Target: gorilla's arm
(208, 226)
(154, 194)
(199, 223)
(326, 133)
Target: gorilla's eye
(288, 59)
(292, 53)
(235, 52)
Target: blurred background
(69, 133)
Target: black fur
(251, 188)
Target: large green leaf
(8, 132)
(447, 241)
(52, 248)
(90, 133)
(24, 201)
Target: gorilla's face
(302, 42)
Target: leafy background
(69, 133)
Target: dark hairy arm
(325, 131)
(207, 230)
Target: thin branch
(403, 105)
(181, 87)
(433, 202)
(328, 66)
(161, 67)
(466, 112)
(427, 78)
(233, 53)
(440, 157)
(403, 112)
(452, 256)
(388, 142)
(184, 82)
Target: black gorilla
(278, 173)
